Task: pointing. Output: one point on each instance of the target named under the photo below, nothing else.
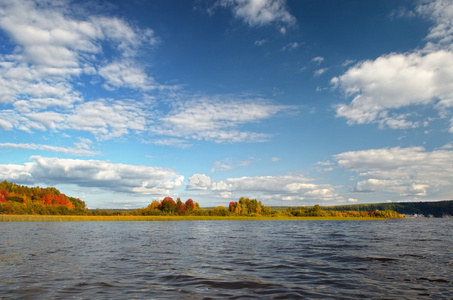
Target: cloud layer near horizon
(104, 175)
(409, 172)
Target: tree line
(436, 209)
(19, 199)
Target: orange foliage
(57, 200)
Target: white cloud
(380, 88)
(283, 30)
(220, 166)
(49, 119)
(126, 74)
(291, 46)
(199, 182)
(260, 42)
(174, 142)
(395, 81)
(230, 163)
(441, 13)
(373, 185)
(55, 43)
(272, 188)
(348, 62)
(405, 171)
(318, 59)
(94, 173)
(104, 118)
(82, 147)
(259, 12)
(216, 119)
(418, 190)
(107, 118)
(319, 72)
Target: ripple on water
(195, 260)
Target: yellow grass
(40, 218)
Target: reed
(59, 218)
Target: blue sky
(290, 102)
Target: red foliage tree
(180, 207)
(168, 205)
(47, 199)
(190, 205)
(3, 195)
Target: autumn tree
(190, 206)
(235, 207)
(220, 211)
(180, 207)
(168, 205)
(155, 205)
(3, 196)
(245, 206)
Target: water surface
(393, 259)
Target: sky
(292, 103)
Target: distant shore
(61, 218)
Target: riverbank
(61, 218)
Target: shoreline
(65, 218)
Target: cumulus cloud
(217, 120)
(381, 88)
(199, 182)
(405, 171)
(104, 175)
(257, 13)
(395, 81)
(269, 188)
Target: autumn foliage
(168, 206)
(18, 199)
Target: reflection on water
(394, 259)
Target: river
(392, 259)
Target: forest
(437, 209)
(22, 200)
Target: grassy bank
(47, 218)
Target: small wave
(433, 280)
(381, 259)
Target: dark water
(394, 259)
